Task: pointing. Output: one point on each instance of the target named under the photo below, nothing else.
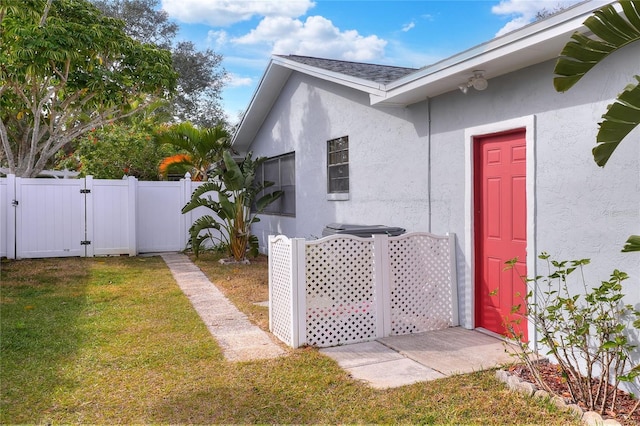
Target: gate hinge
(85, 243)
(85, 191)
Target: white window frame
(337, 195)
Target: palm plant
(236, 207)
(203, 149)
(610, 32)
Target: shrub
(589, 333)
(236, 208)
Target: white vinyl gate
(50, 218)
(161, 225)
(92, 217)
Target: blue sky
(411, 33)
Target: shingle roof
(379, 73)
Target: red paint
(500, 228)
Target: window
(281, 171)
(338, 165)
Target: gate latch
(85, 243)
(85, 191)
(14, 203)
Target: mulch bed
(552, 377)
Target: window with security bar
(281, 171)
(338, 165)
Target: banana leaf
(611, 32)
(632, 244)
(620, 119)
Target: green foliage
(204, 146)
(588, 333)
(66, 69)
(611, 32)
(236, 188)
(114, 150)
(632, 244)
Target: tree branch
(45, 14)
(4, 137)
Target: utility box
(364, 231)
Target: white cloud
(523, 12)
(513, 25)
(227, 12)
(317, 36)
(408, 26)
(217, 39)
(234, 80)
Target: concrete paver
(359, 354)
(380, 366)
(453, 350)
(239, 339)
(404, 360)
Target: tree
(236, 208)
(611, 32)
(544, 13)
(144, 21)
(202, 149)
(65, 69)
(200, 83)
(121, 148)
(200, 74)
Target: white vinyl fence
(346, 289)
(92, 217)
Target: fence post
(382, 284)
(299, 292)
(11, 216)
(270, 261)
(89, 250)
(132, 214)
(455, 316)
(186, 220)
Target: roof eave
(264, 96)
(533, 44)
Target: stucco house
(479, 144)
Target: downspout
(429, 164)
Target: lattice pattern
(281, 290)
(421, 296)
(340, 293)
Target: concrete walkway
(239, 339)
(385, 363)
(404, 360)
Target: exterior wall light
(477, 81)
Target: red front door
(500, 229)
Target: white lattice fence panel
(281, 318)
(421, 287)
(340, 294)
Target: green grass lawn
(114, 340)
